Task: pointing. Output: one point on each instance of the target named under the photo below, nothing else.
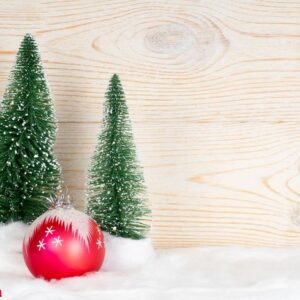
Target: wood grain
(214, 94)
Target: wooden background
(213, 89)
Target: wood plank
(187, 60)
(213, 89)
(208, 183)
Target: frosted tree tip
(28, 39)
(28, 35)
(115, 77)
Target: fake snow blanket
(198, 273)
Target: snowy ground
(198, 273)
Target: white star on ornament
(41, 245)
(57, 241)
(99, 243)
(49, 230)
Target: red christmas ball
(63, 242)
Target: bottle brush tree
(29, 172)
(116, 198)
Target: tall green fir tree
(116, 198)
(29, 171)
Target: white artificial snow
(66, 217)
(204, 273)
(124, 254)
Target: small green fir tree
(116, 184)
(29, 172)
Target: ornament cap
(61, 200)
